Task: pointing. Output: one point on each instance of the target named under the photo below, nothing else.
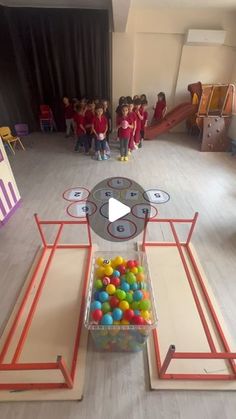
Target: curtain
(46, 54)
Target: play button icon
(117, 210)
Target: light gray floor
(117, 385)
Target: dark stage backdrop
(46, 54)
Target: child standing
(132, 116)
(160, 108)
(125, 126)
(144, 120)
(88, 119)
(99, 129)
(69, 115)
(80, 128)
(139, 118)
(107, 114)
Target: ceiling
(153, 4)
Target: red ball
(128, 314)
(121, 269)
(106, 280)
(115, 280)
(114, 301)
(130, 264)
(97, 315)
(136, 263)
(138, 320)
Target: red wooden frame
(226, 354)
(68, 375)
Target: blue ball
(125, 286)
(137, 295)
(137, 312)
(134, 286)
(116, 273)
(117, 314)
(96, 295)
(107, 320)
(96, 305)
(103, 296)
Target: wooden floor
(117, 385)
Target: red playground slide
(172, 118)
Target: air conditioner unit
(205, 37)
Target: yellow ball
(113, 263)
(108, 270)
(124, 305)
(99, 261)
(124, 322)
(106, 262)
(111, 289)
(116, 322)
(134, 270)
(100, 271)
(145, 314)
(119, 260)
(124, 262)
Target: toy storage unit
(9, 194)
(128, 338)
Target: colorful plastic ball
(96, 305)
(99, 261)
(140, 277)
(106, 280)
(125, 322)
(97, 315)
(103, 296)
(134, 286)
(106, 307)
(114, 301)
(145, 305)
(131, 278)
(128, 314)
(121, 269)
(145, 314)
(134, 270)
(100, 271)
(125, 286)
(137, 295)
(124, 305)
(98, 284)
(108, 270)
(121, 294)
(106, 262)
(129, 297)
(143, 285)
(96, 295)
(137, 312)
(115, 281)
(135, 305)
(138, 320)
(116, 322)
(130, 264)
(136, 263)
(146, 294)
(117, 314)
(140, 269)
(107, 320)
(116, 273)
(119, 260)
(111, 289)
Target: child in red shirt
(107, 114)
(160, 108)
(99, 129)
(133, 118)
(88, 119)
(125, 126)
(80, 129)
(144, 120)
(69, 115)
(139, 118)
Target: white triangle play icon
(116, 210)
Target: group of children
(92, 120)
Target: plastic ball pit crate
(120, 338)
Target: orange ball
(140, 277)
(134, 270)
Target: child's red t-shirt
(143, 122)
(138, 120)
(100, 125)
(125, 132)
(79, 120)
(69, 111)
(88, 118)
(160, 106)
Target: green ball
(129, 297)
(143, 285)
(106, 307)
(98, 284)
(145, 305)
(131, 278)
(135, 305)
(140, 269)
(121, 295)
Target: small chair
(22, 130)
(46, 118)
(9, 139)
